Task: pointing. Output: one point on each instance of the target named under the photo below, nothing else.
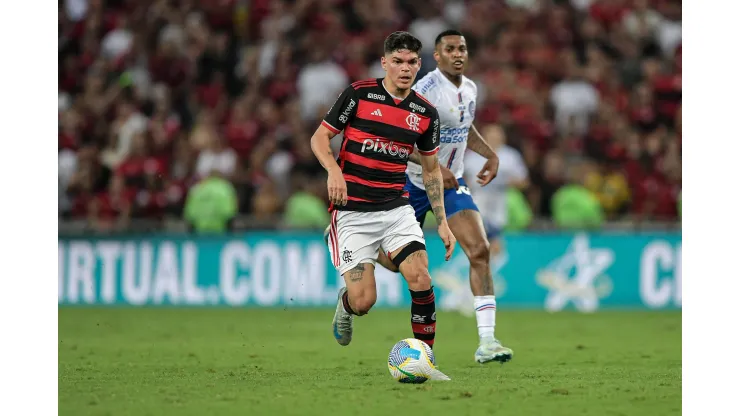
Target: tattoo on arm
(356, 273)
(435, 191)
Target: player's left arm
(428, 145)
(479, 145)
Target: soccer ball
(411, 361)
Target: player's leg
(354, 240)
(404, 241)
(420, 203)
(382, 259)
(467, 226)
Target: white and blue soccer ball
(412, 361)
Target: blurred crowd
(157, 96)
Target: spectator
(160, 93)
(610, 186)
(111, 209)
(211, 205)
(575, 207)
(216, 157)
(551, 179)
(306, 207)
(128, 123)
(319, 83)
(574, 99)
(519, 214)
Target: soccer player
(382, 119)
(454, 96)
(492, 198)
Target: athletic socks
(485, 314)
(345, 303)
(423, 315)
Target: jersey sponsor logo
(385, 147)
(471, 109)
(413, 121)
(427, 85)
(435, 131)
(454, 134)
(345, 114)
(417, 107)
(374, 96)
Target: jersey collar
(447, 80)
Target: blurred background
(179, 115)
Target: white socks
(485, 314)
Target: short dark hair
(449, 32)
(401, 40)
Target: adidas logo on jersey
(377, 113)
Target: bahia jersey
(456, 108)
(380, 133)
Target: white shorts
(355, 237)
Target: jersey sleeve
(428, 142)
(342, 112)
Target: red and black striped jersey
(379, 136)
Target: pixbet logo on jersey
(388, 148)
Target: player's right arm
(335, 183)
(336, 120)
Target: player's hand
(447, 238)
(337, 187)
(489, 171)
(448, 178)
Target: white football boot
(492, 350)
(342, 323)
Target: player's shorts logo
(346, 256)
(413, 121)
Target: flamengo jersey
(456, 107)
(379, 136)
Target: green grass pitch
(248, 362)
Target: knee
(363, 302)
(480, 253)
(419, 279)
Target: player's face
(452, 54)
(401, 67)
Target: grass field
(201, 362)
